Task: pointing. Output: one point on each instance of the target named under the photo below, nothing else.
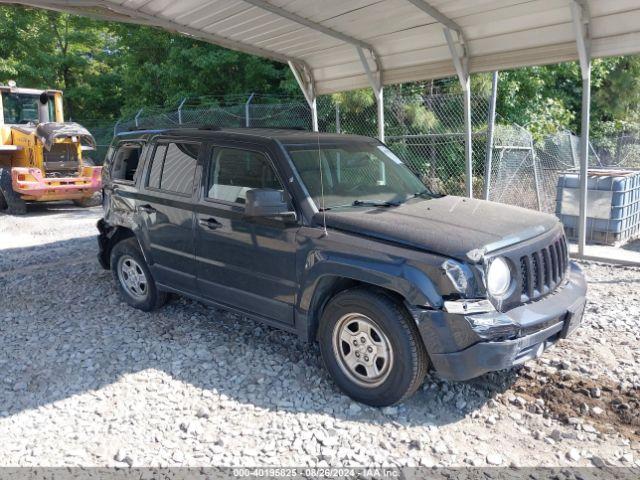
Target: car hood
(457, 227)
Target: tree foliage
(109, 69)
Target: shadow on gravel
(64, 210)
(51, 208)
(64, 332)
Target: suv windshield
(354, 174)
(22, 107)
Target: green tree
(43, 49)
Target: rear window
(125, 162)
(173, 167)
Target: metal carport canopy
(402, 38)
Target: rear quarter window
(125, 161)
(173, 166)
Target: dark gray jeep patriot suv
(331, 237)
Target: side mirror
(269, 203)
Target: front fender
(399, 276)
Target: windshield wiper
(374, 203)
(423, 193)
(364, 203)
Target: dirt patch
(599, 402)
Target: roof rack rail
(302, 129)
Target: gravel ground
(90, 381)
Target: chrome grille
(541, 271)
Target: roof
(285, 136)
(403, 37)
(26, 91)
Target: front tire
(133, 278)
(372, 347)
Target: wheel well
(328, 287)
(116, 235)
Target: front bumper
(32, 186)
(460, 350)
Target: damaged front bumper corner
(464, 346)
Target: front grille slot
(554, 264)
(543, 270)
(537, 283)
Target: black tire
(408, 360)
(95, 199)
(126, 254)
(10, 201)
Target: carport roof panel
(408, 43)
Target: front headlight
(498, 277)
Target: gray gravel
(90, 381)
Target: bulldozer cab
(21, 106)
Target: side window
(173, 167)
(125, 162)
(232, 172)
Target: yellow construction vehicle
(41, 156)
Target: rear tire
(372, 347)
(133, 278)
(87, 202)
(93, 200)
(10, 201)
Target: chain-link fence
(426, 131)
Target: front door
(242, 262)
(167, 209)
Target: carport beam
(460, 62)
(580, 16)
(375, 80)
(305, 81)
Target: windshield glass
(353, 174)
(22, 107)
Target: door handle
(210, 223)
(147, 209)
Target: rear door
(247, 263)
(166, 207)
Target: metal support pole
(247, 114)
(581, 18)
(375, 80)
(491, 123)
(314, 114)
(180, 110)
(338, 118)
(115, 128)
(380, 101)
(468, 140)
(584, 160)
(460, 62)
(536, 176)
(305, 81)
(138, 116)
